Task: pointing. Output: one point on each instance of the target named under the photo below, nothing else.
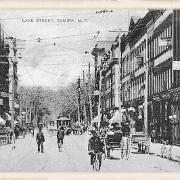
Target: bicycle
(97, 160)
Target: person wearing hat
(40, 140)
(95, 145)
(60, 135)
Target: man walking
(40, 139)
(60, 135)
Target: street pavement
(74, 157)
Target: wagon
(112, 142)
(140, 142)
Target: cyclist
(60, 135)
(95, 145)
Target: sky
(53, 42)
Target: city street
(74, 157)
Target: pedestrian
(153, 135)
(40, 140)
(16, 131)
(60, 135)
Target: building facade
(153, 43)
(164, 82)
(4, 75)
(148, 53)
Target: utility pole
(20, 109)
(85, 90)
(120, 80)
(79, 90)
(146, 91)
(30, 113)
(12, 97)
(99, 104)
(90, 95)
(26, 109)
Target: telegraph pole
(20, 110)
(120, 81)
(30, 113)
(84, 85)
(79, 86)
(146, 92)
(26, 108)
(90, 95)
(99, 104)
(12, 98)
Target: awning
(97, 119)
(8, 116)
(2, 121)
(116, 118)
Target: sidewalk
(173, 151)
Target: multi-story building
(105, 76)
(151, 49)
(8, 75)
(164, 82)
(133, 64)
(4, 76)
(153, 42)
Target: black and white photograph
(90, 90)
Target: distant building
(63, 121)
(106, 76)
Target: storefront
(164, 116)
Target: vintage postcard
(90, 90)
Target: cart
(140, 142)
(112, 142)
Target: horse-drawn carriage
(115, 141)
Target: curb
(173, 158)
